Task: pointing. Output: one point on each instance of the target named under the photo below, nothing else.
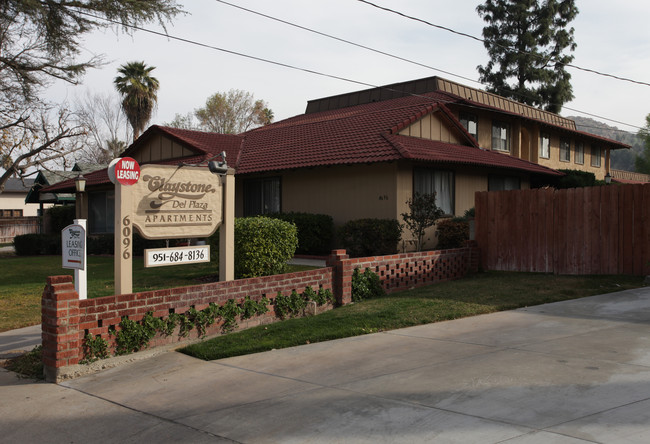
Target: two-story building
(364, 154)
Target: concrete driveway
(569, 372)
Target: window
(503, 183)
(544, 146)
(470, 122)
(595, 156)
(11, 213)
(500, 136)
(427, 181)
(565, 150)
(580, 153)
(261, 196)
(101, 212)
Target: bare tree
(107, 127)
(233, 112)
(36, 140)
(40, 41)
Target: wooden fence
(15, 226)
(596, 230)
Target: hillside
(621, 159)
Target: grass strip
(477, 294)
(23, 277)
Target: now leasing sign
(124, 170)
(176, 202)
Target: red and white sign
(124, 170)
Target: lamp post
(80, 275)
(80, 185)
(608, 178)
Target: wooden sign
(176, 202)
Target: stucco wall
(16, 201)
(343, 192)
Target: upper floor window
(595, 156)
(580, 153)
(427, 181)
(500, 136)
(544, 146)
(565, 150)
(261, 196)
(470, 123)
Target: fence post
(342, 285)
(60, 326)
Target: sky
(612, 37)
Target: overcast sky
(612, 37)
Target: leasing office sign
(176, 202)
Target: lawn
(22, 280)
(477, 294)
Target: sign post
(73, 248)
(123, 172)
(170, 202)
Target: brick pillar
(60, 325)
(342, 285)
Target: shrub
(370, 237)
(100, 244)
(576, 179)
(423, 213)
(37, 244)
(315, 231)
(263, 246)
(452, 233)
(366, 285)
(61, 217)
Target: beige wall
(343, 192)
(16, 201)
(524, 143)
(432, 128)
(555, 162)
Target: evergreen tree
(642, 161)
(527, 41)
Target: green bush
(366, 285)
(315, 231)
(576, 179)
(37, 244)
(452, 233)
(263, 246)
(370, 237)
(61, 217)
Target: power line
(405, 59)
(358, 45)
(281, 64)
(593, 71)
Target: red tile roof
(343, 136)
(208, 144)
(365, 134)
(441, 152)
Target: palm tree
(139, 91)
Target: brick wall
(66, 319)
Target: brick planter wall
(66, 320)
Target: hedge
(263, 246)
(370, 237)
(315, 231)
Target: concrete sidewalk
(16, 342)
(570, 372)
